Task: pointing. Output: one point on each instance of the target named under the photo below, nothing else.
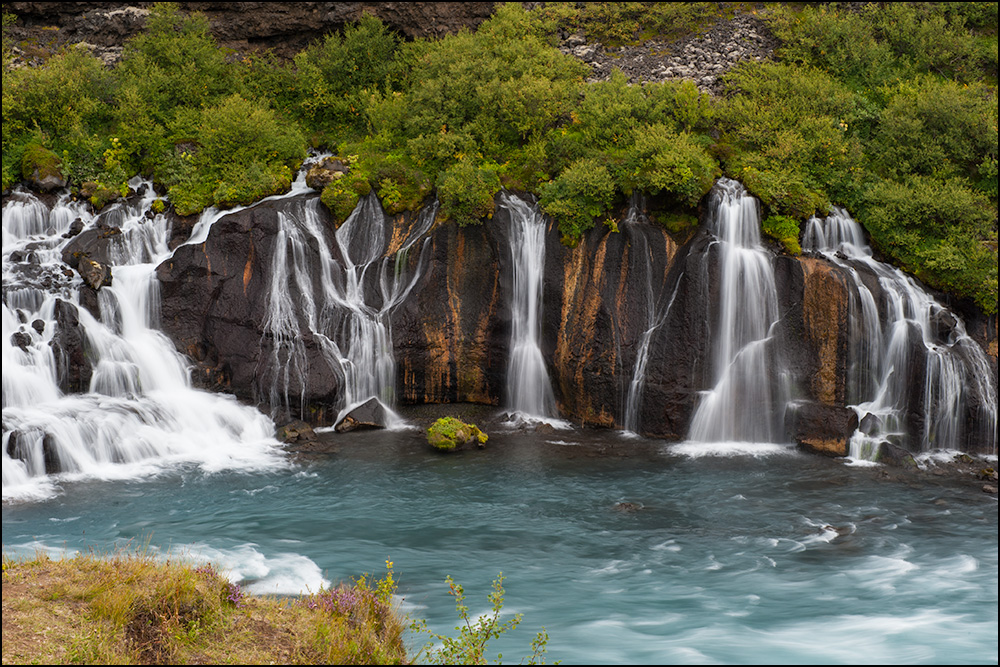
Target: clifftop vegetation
(889, 110)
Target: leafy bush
(577, 197)
(467, 192)
(666, 162)
(930, 126)
(784, 230)
(943, 231)
(334, 78)
(245, 153)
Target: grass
(130, 608)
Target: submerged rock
(370, 414)
(893, 455)
(296, 432)
(449, 434)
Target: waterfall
(343, 303)
(883, 342)
(656, 313)
(745, 402)
(140, 411)
(529, 392)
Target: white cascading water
(744, 403)
(529, 391)
(140, 411)
(656, 312)
(347, 312)
(879, 375)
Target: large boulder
(449, 434)
(822, 429)
(41, 169)
(73, 365)
(325, 172)
(370, 414)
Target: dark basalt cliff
(286, 28)
(451, 335)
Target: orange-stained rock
(824, 314)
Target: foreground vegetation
(889, 110)
(131, 608)
(134, 609)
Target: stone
(870, 424)
(370, 414)
(627, 507)
(823, 429)
(75, 228)
(20, 339)
(325, 172)
(95, 274)
(296, 432)
(895, 456)
(449, 435)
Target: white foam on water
(696, 450)
(259, 574)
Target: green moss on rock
(41, 168)
(449, 434)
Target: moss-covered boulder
(41, 169)
(449, 434)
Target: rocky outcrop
(702, 58)
(822, 429)
(284, 27)
(451, 334)
(69, 347)
(370, 414)
(215, 301)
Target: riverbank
(130, 608)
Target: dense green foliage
(889, 110)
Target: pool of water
(731, 557)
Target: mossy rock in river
(449, 434)
(41, 169)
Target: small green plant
(784, 230)
(469, 647)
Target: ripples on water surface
(732, 558)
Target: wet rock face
(822, 429)
(70, 351)
(284, 27)
(451, 335)
(215, 301)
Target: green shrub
(342, 195)
(930, 126)
(175, 63)
(334, 78)
(469, 647)
(666, 162)
(577, 197)
(784, 230)
(467, 192)
(245, 152)
(400, 187)
(941, 230)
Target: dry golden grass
(130, 608)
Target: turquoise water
(783, 558)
